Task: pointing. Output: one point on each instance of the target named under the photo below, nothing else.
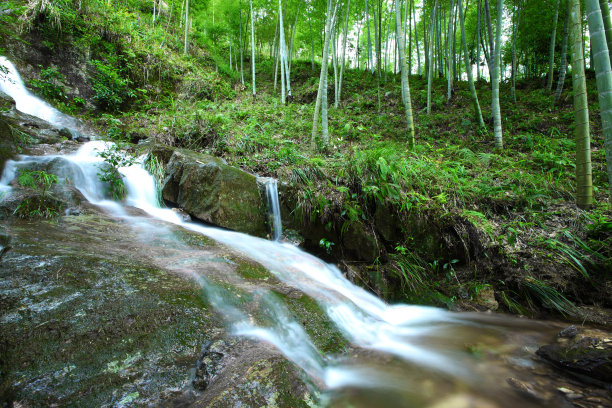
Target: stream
(391, 355)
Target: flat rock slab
(90, 316)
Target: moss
(83, 320)
(254, 271)
(316, 323)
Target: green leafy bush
(49, 86)
(112, 90)
(109, 171)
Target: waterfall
(12, 85)
(431, 338)
(275, 222)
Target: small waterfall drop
(12, 85)
(276, 224)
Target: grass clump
(43, 204)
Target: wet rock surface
(582, 353)
(211, 191)
(90, 316)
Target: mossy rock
(585, 353)
(8, 147)
(6, 102)
(212, 191)
(361, 242)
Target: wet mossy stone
(211, 191)
(587, 355)
(6, 102)
(8, 148)
(361, 242)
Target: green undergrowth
(43, 204)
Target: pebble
(568, 332)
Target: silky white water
(430, 338)
(12, 85)
(273, 208)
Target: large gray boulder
(210, 190)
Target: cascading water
(276, 225)
(12, 85)
(392, 338)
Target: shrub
(109, 171)
(49, 86)
(112, 91)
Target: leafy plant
(37, 180)
(49, 86)
(326, 244)
(114, 158)
(549, 297)
(156, 169)
(42, 205)
(111, 89)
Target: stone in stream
(5, 243)
(211, 191)
(585, 354)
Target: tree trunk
(283, 55)
(241, 48)
(312, 46)
(496, 60)
(276, 53)
(478, 36)
(431, 56)
(358, 48)
(490, 35)
(584, 178)
(331, 10)
(468, 69)
(551, 53)
(281, 52)
(426, 48)
(293, 38)
(409, 10)
(186, 24)
(517, 14)
(449, 50)
(337, 96)
(334, 52)
(370, 63)
(563, 67)
(605, 13)
(387, 45)
(378, 38)
(603, 75)
(324, 104)
(252, 49)
(405, 85)
(416, 39)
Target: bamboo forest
(306, 203)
